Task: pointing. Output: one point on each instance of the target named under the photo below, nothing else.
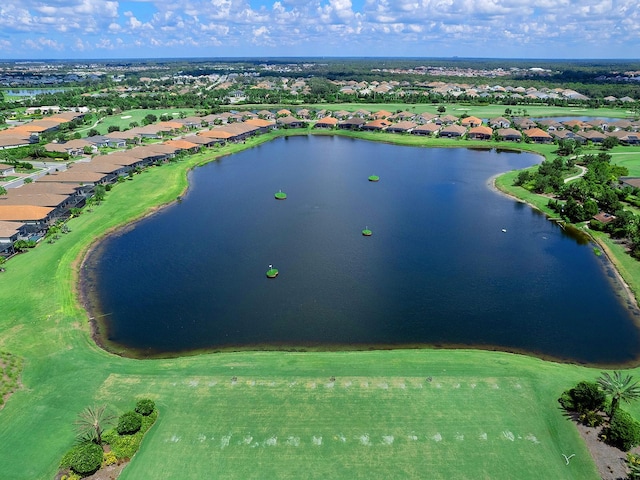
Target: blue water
(438, 270)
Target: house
(626, 138)
(376, 125)
(604, 217)
(499, 122)
(101, 141)
(33, 217)
(480, 133)
(73, 148)
(263, 125)
(290, 121)
(266, 114)
(471, 122)
(509, 134)
(567, 135)
(382, 114)
(524, 123)
(592, 135)
(453, 131)
(200, 140)
(9, 233)
(426, 129)
(355, 123)
(326, 122)
(551, 125)
(404, 126)
(183, 145)
(537, 135)
(446, 120)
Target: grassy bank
(384, 414)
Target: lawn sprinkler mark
(483, 436)
(293, 441)
(272, 384)
(271, 442)
(459, 436)
(365, 440)
(518, 386)
(437, 437)
(508, 435)
(438, 385)
(495, 386)
(224, 441)
(292, 384)
(347, 384)
(532, 438)
(387, 439)
(402, 386)
(341, 438)
(457, 385)
(312, 385)
(317, 441)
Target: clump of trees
(95, 431)
(592, 401)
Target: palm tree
(620, 388)
(91, 423)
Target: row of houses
(29, 133)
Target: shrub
(584, 397)
(129, 423)
(145, 406)
(587, 397)
(109, 458)
(623, 432)
(591, 419)
(84, 458)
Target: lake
(450, 263)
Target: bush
(623, 432)
(145, 406)
(83, 459)
(584, 397)
(129, 423)
(109, 458)
(591, 419)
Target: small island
(366, 232)
(374, 178)
(272, 272)
(280, 195)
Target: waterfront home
(426, 129)
(453, 131)
(480, 132)
(404, 126)
(509, 134)
(354, 123)
(326, 122)
(471, 122)
(376, 125)
(537, 135)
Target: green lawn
(124, 119)
(483, 414)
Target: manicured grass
(281, 404)
(124, 119)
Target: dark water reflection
(438, 269)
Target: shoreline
(610, 257)
(98, 331)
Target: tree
(99, 193)
(93, 133)
(442, 109)
(92, 422)
(3, 191)
(620, 388)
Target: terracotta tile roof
(9, 229)
(481, 130)
(182, 144)
(536, 133)
(258, 122)
(216, 134)
(20, 213)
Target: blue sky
(265, 28)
